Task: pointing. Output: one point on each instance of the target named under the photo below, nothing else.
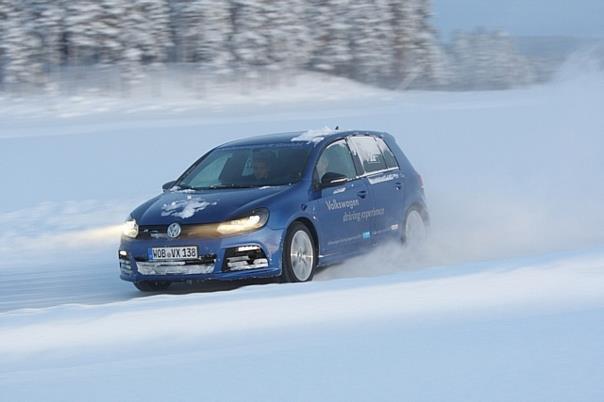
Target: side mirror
(331, 179)
(167, 186)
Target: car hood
(197, 207)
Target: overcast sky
(583, 18)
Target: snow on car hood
(207, 206)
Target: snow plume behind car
(516, 176)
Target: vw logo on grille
(174, 230)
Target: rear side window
(387, 153)
(369, 153)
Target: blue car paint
(269, 239)
(368, 210)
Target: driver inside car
(262, 166)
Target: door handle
(398, 186)
(362, 193)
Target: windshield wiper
(223, 186)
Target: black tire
(152, 286)
(289, 273)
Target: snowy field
(506, 303)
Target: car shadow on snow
(189, 287)
(209, 286)
(177, 288)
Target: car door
(339, 206)
(385, 185)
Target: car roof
(309, 136)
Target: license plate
(173, 253)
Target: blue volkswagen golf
(280, 205)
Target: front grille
(203, 259)
(174, 268)
(154, 232)
(149, 232)
(202, 265)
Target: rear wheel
(415, 230)
(152, 286)
(299, 254)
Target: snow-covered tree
(157, 22)
(191, 21)
(92, 31)
(4, 15)
(22, 47)
(383, 42)
(428, 57)
(47, 18)
(143, 27)
(287, 34)
(249, 43)
(206, 29)
(405, 26)
(332, 43)
(371, 40)
(442, 71)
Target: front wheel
(299, 254)
(415, 229)
(152, 286)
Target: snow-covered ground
(521, 330)
(507, 303)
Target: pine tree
(427, 54)
(91, 30)
(283, 34)
(442, 68)
(461, 60)
(157, 23)
(292, 42)
(250, 46)
(191, 20)
(405, 27)
(383, 42)
(22, 46)
(4, 14)
(332, 51)
(139, 35)
(51, 23)
(371, 40)
(206, 32)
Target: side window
(369, 153)
(388, 154)
(336, 158)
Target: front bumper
(135, 265)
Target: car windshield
(251, 166)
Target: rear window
(369, 153)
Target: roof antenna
(337, 128)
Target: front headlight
(130, 228)
(254, 221)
